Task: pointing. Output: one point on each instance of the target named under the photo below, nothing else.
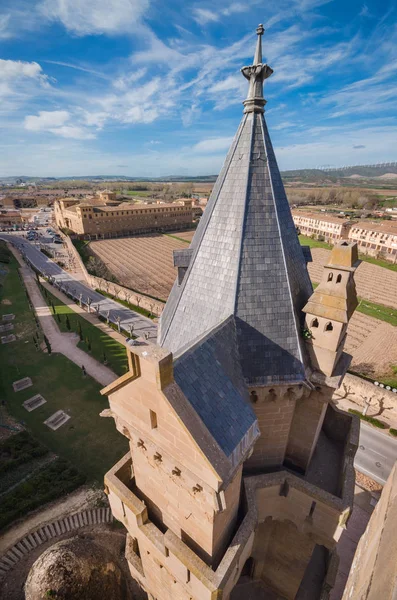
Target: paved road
(376, 454)
(64, 281)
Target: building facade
(331, 228)
(373, 238)
(239, 480)
(112, 218)
(8, 218)
(376, 239)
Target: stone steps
(32, 540)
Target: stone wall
(383, 403)
(373, 574)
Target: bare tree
(118, 320)
(152, 307)
(127, 295)
(138, 300)
(373, 402)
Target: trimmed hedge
(55, 480)
(18, 449)
(393, 431)
(372, 420)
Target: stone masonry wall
(274, 411)
(305, 427)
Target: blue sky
(153, 87)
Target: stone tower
(239, 480)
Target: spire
(245, 261)
(256, 74)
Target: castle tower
(240, 479)
(330, 307)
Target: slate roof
(246, 260)
(210, 376)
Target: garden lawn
(99, 341)
(308, 241)
(88, 441)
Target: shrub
(18, 449)
(393, 431)
(372, 420)
(55, 480)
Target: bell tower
(330, 308)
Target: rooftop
(383, 227)
(320, 216)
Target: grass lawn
(378, 311)
(81, 247)
(88, 441)
(378, 261)
(181, 239)
(308, 241)
(100, 342)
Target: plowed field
(143, 263)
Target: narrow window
(330, 276)
(339, 278)
(329, 327)
(314, 323)
(153, 419)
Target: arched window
(339, 278)
(314, 323)
(330, 276)
(329, 326)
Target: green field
(88, 441)
(99, 341)
(308, 241)
(378, 311)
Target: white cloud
(4, 27)
(283, 125)
(236, 7)
(87, 17)
(212, 145)
(46, 119)
(72, 131)
(17, 69)
(204, 15)
(56, 122)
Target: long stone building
(239, 480)
(105, 217)
(331, 228)
(373, 238)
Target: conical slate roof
(246, 260)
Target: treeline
(346, 197)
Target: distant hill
(385, 170)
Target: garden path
(64, 343)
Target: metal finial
(256, 74)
